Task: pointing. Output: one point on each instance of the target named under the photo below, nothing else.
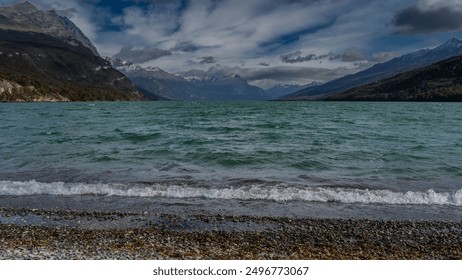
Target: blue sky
(302, 40)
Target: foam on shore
(278, 192)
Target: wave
(278, 192)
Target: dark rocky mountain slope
(381, 71)
(441, 81)
(44, 57)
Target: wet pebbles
(148, 236)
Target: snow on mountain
(175, 87)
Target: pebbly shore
(103, 235)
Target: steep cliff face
(48, 60)
(26, 17)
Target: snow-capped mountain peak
(190, 87)
(454, 43)
(124, 66)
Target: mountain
(227, 87)
(280, 90)
(157, 82)
(441, 81)
(45, 57)
(26, 17)
(381, 71)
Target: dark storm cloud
(296, 57)
(264, 64)
(207, 60)
(186, 47)
(350, 55)
(141, 55)
(416, 20)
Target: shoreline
(144, 236)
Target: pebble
(284, 239)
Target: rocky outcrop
(14, 92)
(56, 63)
(25, 17)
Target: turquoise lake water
(326, 154)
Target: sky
(265, 41)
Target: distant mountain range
(280, 90)
(159, 84)
(227, 87)
(380, 71)
(441, 81)
(45, 57)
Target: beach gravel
(251, 238)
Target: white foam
(251, 192)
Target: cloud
(282, 73)
(426, 19)
(241, 28)
(237, 28)
(350, 55)
(382, 56)
(296, 57)
(185, 47)
(69, 13)
(207, 59)
(177, 35)
(270, 76)
(141, 55)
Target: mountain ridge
(441, 81)
(176, 87)
(397, 65)
(53, 64)
(280, 90)
(26, 17)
